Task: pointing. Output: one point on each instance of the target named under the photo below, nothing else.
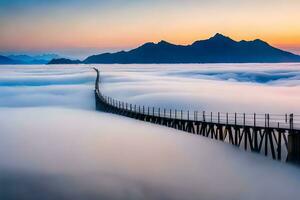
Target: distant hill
(6, 61)
(38, 59)
(217, 49)
(64, 61)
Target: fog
(32, 86)
(261, 88)
(87, 154)
(54, 145)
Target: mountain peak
(147, 44)
(259, 41)
(219, 36)
(163, 42)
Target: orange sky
(97, 26)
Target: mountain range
(26, 59)
(6, 60)
(64, 61)
(217, 49)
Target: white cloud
(85, 154)
(47, 86)
(76, 154)
(262, 88)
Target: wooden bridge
(276, 136)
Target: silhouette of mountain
(38, 59)
(64, 61)
(217, 49)
(5, 60)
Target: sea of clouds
(32, 86)
(54, 145)
(249, 88)
(262, 88)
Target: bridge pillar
(293, 148)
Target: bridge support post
(293, 143)
(293, 148)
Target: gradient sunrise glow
(78, 28)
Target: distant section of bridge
(277, 136)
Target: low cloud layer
(31, 86)
(261, 88)
(228, 88)
(48, 152)
(90, 155)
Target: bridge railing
(284, 121)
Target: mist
(249, 88)
(88, 154)
(54, 145)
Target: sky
(81, 28)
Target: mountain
(217, 49)
(64, 61)
(39, 59)
(5, 60)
